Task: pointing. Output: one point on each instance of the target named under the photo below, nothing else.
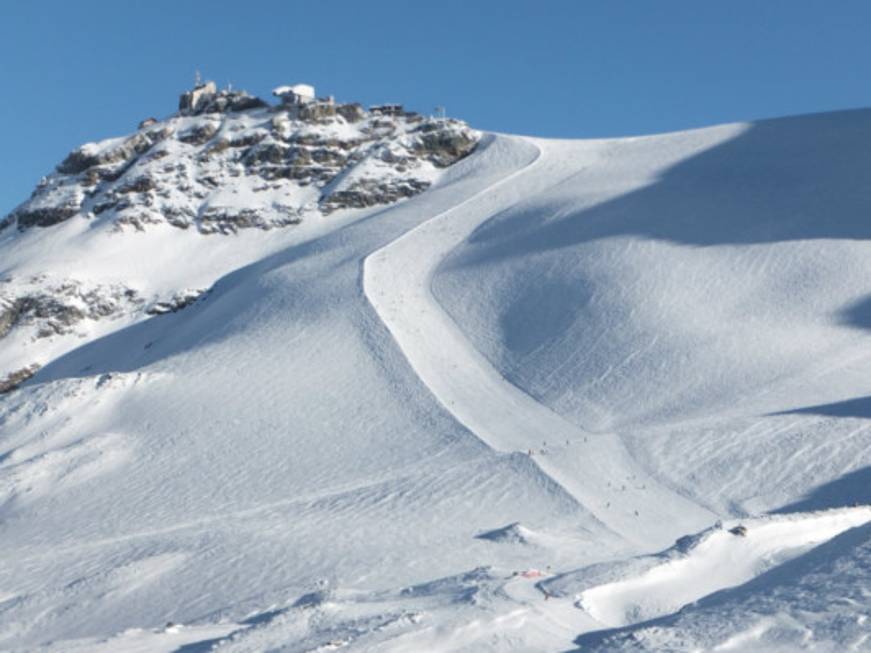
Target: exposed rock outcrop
(352, 112)
(112, 151)
(8, 315)
(200, 133)
(55, 308)
(14, 379)
(370, 192)
(205, 98)
(46, 216)
(177, 302)
(445, 143)
(227, 162)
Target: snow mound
(511, 534)
(718, 560)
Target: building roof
(305, 90)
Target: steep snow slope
(703, 294)
(331, 448)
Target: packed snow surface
(527, 409)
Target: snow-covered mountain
(226, 163)
(306, 376)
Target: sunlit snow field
(523, 410)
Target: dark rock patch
(200, 134)
(44, 217)
(14, 379)
(370, 192)
(176, 303)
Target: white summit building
(296, 94)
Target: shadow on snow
(797, 178)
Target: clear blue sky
(81, 70)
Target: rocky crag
(229, 161)
(224, 163)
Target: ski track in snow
(397, 280)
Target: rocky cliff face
(227, 162)
(48, 308)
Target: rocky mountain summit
(229, 161)
(225, 163)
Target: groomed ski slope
(397, 280)
(332, 451)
